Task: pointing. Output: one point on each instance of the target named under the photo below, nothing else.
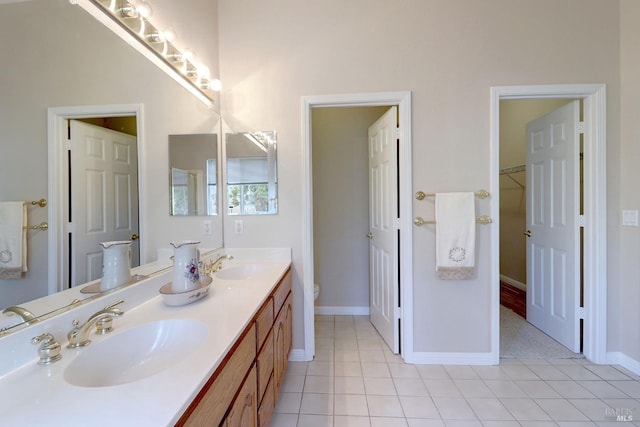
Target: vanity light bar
(121, 17)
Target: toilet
(316, 291)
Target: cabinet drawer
(281, 292)
(265, 411)
(264, 321)
(265, 365)
(211, 404)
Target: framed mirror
(193, 174)
(252, 178)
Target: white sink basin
(137, 353)
(242, 272)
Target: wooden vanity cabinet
(243, 390)
(212, 403)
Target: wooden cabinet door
(282, 340)
(244, 412)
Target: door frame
(595, 237)
(57, 137)
(403, 100)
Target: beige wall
(625, 293)
(448, 53)
(341, 204)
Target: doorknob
(527, 233)
(134, 236)
(369, 236)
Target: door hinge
(398, 312)
(580, 127)
(67, 145)
(397, 133)
(580, 312)
(581, 221)
(396, 223)
(69, 228)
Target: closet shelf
(511, 170)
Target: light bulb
(144, 9)
(204, 72)
(215, 85)
(169, 35)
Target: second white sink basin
(242, 272)
(137, 353)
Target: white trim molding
(595, 202)
(618, 358)
(403, 101)
(327, 310)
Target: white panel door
(383, 235)
(553, 238)
(104, 196)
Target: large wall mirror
(61, 57)
(193, 174)
(252, 176)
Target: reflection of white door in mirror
(193, 174)
(186, 197)
(104, 187)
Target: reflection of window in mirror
(193, 174)
(251, 173)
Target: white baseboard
(297, 355)
(418, 358)
(513, 282)
(618, 358)
(342, 311)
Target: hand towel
(13, 239)
(455, 235)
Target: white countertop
(38, 395)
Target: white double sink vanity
(216, 361)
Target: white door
(383, 234)
(104, 196)
(553, 207)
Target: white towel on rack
(455, 235)
(13, 239)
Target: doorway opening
(403, 225)
(594, 203)
(527, 326)
(62, 242)
(346, 246)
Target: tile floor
(356, 381)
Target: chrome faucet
(25, 314)
(79, 335)
(216, 265)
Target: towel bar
(480, 194)
(484, 220)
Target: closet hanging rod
(480, 194)
(513, 169)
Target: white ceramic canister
(116, 264)
(186, 275)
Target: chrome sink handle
(79, 335)
(49, 350)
